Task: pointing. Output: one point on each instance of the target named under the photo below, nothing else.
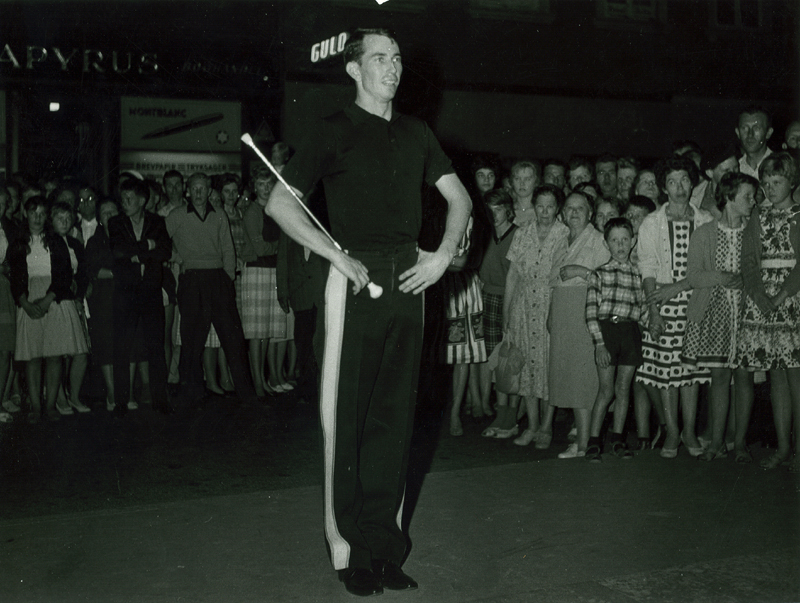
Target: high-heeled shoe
(79, 406)
(711, 455)
(528, 436)
(63, 410)
(504, 434)
(693, 450)
(543, 440)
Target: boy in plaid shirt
(614, 308)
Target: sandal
(710, 455)
(743, 456)
(621, 451)
(594, 454)
(773, 461)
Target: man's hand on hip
(429, 268)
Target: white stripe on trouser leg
(335, 297)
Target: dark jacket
(124, 246)
(301, 282)
(64, 284)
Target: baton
(375, 291)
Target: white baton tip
(375, 291)
(246, 139)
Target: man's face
(625, 176)
(499, 215)
(87, 203)
(377, 74)
(678, 186)
(198, 192)
(731, 164)
(131, 204)
(792, 136)
(605, 211)
(647, 185)
(554, 174)
(607, 178)
(523, 181)
(62, 222)
(484, 179)
(578, 175)
(753, 132)
(173, 187)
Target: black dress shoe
(391, 576)
(361, 582)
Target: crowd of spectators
(614, 278)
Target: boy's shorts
(623, 340)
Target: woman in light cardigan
(662, 248)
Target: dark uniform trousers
(368, 390)
(207, 296)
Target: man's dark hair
(557, 162)
(606, 158)
(729, 185)
(354, 48)
(683, 144)
(675, 164)
(754, 109)
(618, 222)
(171, 174)
(643, 202)
(140, 188)
(578, 162)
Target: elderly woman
(525, 306)
(662, 247)
(572, 373)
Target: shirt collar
(191, 210)
(617, 264)
(359, 115)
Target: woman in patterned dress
(464, 343)
(714, 310)
(769, 337)
(526, 304)
(662, 247)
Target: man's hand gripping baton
(375, 291)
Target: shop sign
(328, 48)
(88, 60)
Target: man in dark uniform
(372, 162)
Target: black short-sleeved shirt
(372, 171)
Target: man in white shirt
(87, 209)
(754, 129)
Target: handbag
(508, 362)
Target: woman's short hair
(675, 164)
(586, 198)
(550, 189)
(582, 186)
(262, 172)
(230, 178)
(61, 207)
(729, 185)
(482, 162)
(781, 164)
(527, 164)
